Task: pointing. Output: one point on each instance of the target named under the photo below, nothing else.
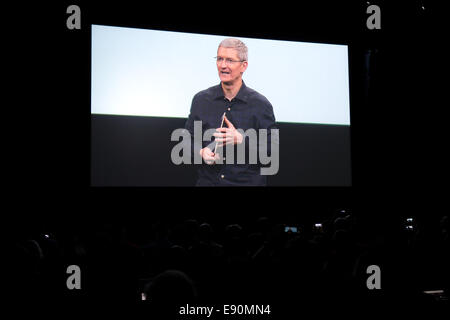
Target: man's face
(230, 72)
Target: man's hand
(228, 135)
(208, 156)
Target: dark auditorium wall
(135, 151)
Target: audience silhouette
(192, 260)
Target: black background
(136, 151)
(397, 114)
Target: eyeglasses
(228, 61)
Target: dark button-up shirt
(248, 109)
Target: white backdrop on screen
(156, 73)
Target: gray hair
(238, 45)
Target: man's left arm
(266, 121)
(266, 136)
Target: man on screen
(234, 111)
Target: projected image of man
(233, 110)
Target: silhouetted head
(205, 232)
(233, 231)
(170, 287)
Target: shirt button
(229, 109)
(222, 176)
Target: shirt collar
(241, 95)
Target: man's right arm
(197, 148)
(190, 126)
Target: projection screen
(141, 72)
